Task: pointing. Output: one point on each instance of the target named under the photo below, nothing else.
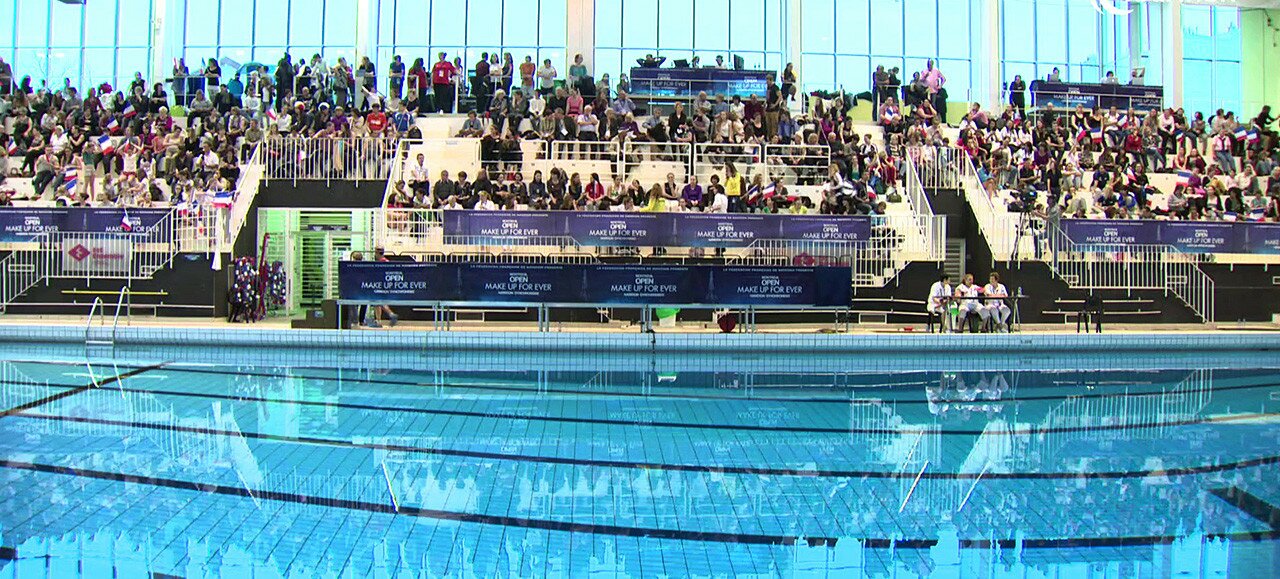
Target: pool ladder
(124, 302)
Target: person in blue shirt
(623, 105)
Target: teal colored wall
(1260, 58)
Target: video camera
(1024, 201)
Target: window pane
(1226, 89)
(819, 29)
(886, 35)
(269, 24)
(773, 24)
(640, 24)
(921, 19)
(135, 24)
(1051, 31)
(608, 24)
(608, 61)
(746, 25)
(33, 62)
(64, 63)
(1196, 31)
(1226, 33)
(1018, 24)
(552, 20)
(520, 23)
(201, 24)
(959, 81)
(819, 72)
(1197, 85)
(131, 60)
(339, 16)
(484, 19)
(712, 30)
(33, 24)
(446, 23)
(100, 24)
(955, 27)
(851, 19)
(66, 23)
(676, 30)
(1082, 31)
(854, 73)
(100, 67)
(305, 22)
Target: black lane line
(745, 470)
(388, 509)
(704, 426)
(588, 528)
(844, 400)
(1251, 504)
(72, 392)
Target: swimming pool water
(163, 461)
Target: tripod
(1024, 224)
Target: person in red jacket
(442, 74)
(376, 120)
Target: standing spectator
(577, 72)
(284, 80)
(1018, 94)
(418, 72)
(395, 75)
(789, 82)
(212, 73)
(480, 89)
(933, 81)
(6, 77)
(508, 71)
(442, 84)
(546, 78)
(527, 68)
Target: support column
(580, 34)
(160, 66)
(366, 21)
(793, 43)
(1137, 25)
(1172, 57)
(992, 70)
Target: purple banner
(1262, 238)
(825, 228)
(502, 225)
(1112, 231)
(22, 224)
(520, 283)
(618, 229)
(627, 284)
(1202, 236)
(723, 229)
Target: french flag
(1184, 178)
(1241, 133)
(129, 111)
(1084, 134)
(105, 143)
(13, 147)
(1258, 214)
(769, 190)
(113, 125)
(223, 199)
(271, 114)
(69, 178)
(1096, 135)
(125, 225)
(1251, 136)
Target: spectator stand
(1013, 237)
(328, 158)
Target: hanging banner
(100, 255)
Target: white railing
(652, 162)
(89, 255)
(798, 164)
(875, 262)
(395, 172)
(710, 159)
(1131, 267)
(327, 159)
(585, 151)
(932, 230)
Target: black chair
(1090, 311)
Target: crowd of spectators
(1099, 163)
(140, 145)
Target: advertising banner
(397, 281)
(1202, 236)
(1261, 238)
(22, 224)
(825, 228)
(619, 229)
(1112, 231)
(97, 255)
(600, 284)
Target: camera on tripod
(1024, 201)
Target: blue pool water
(407, 464)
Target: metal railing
(931, 229)
(328, 159)
(798, 164)
(1131, 267)
(710, 159)
(651, 162)
(947, 168)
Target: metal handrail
(97, 305)
(120, 303)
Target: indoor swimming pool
(266, 463)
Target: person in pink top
(933, 80)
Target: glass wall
(467, 28)
(1082, 42)
(104, 41)
(844, 40)
(626, 30)
(262, 30)
(1211, 60)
